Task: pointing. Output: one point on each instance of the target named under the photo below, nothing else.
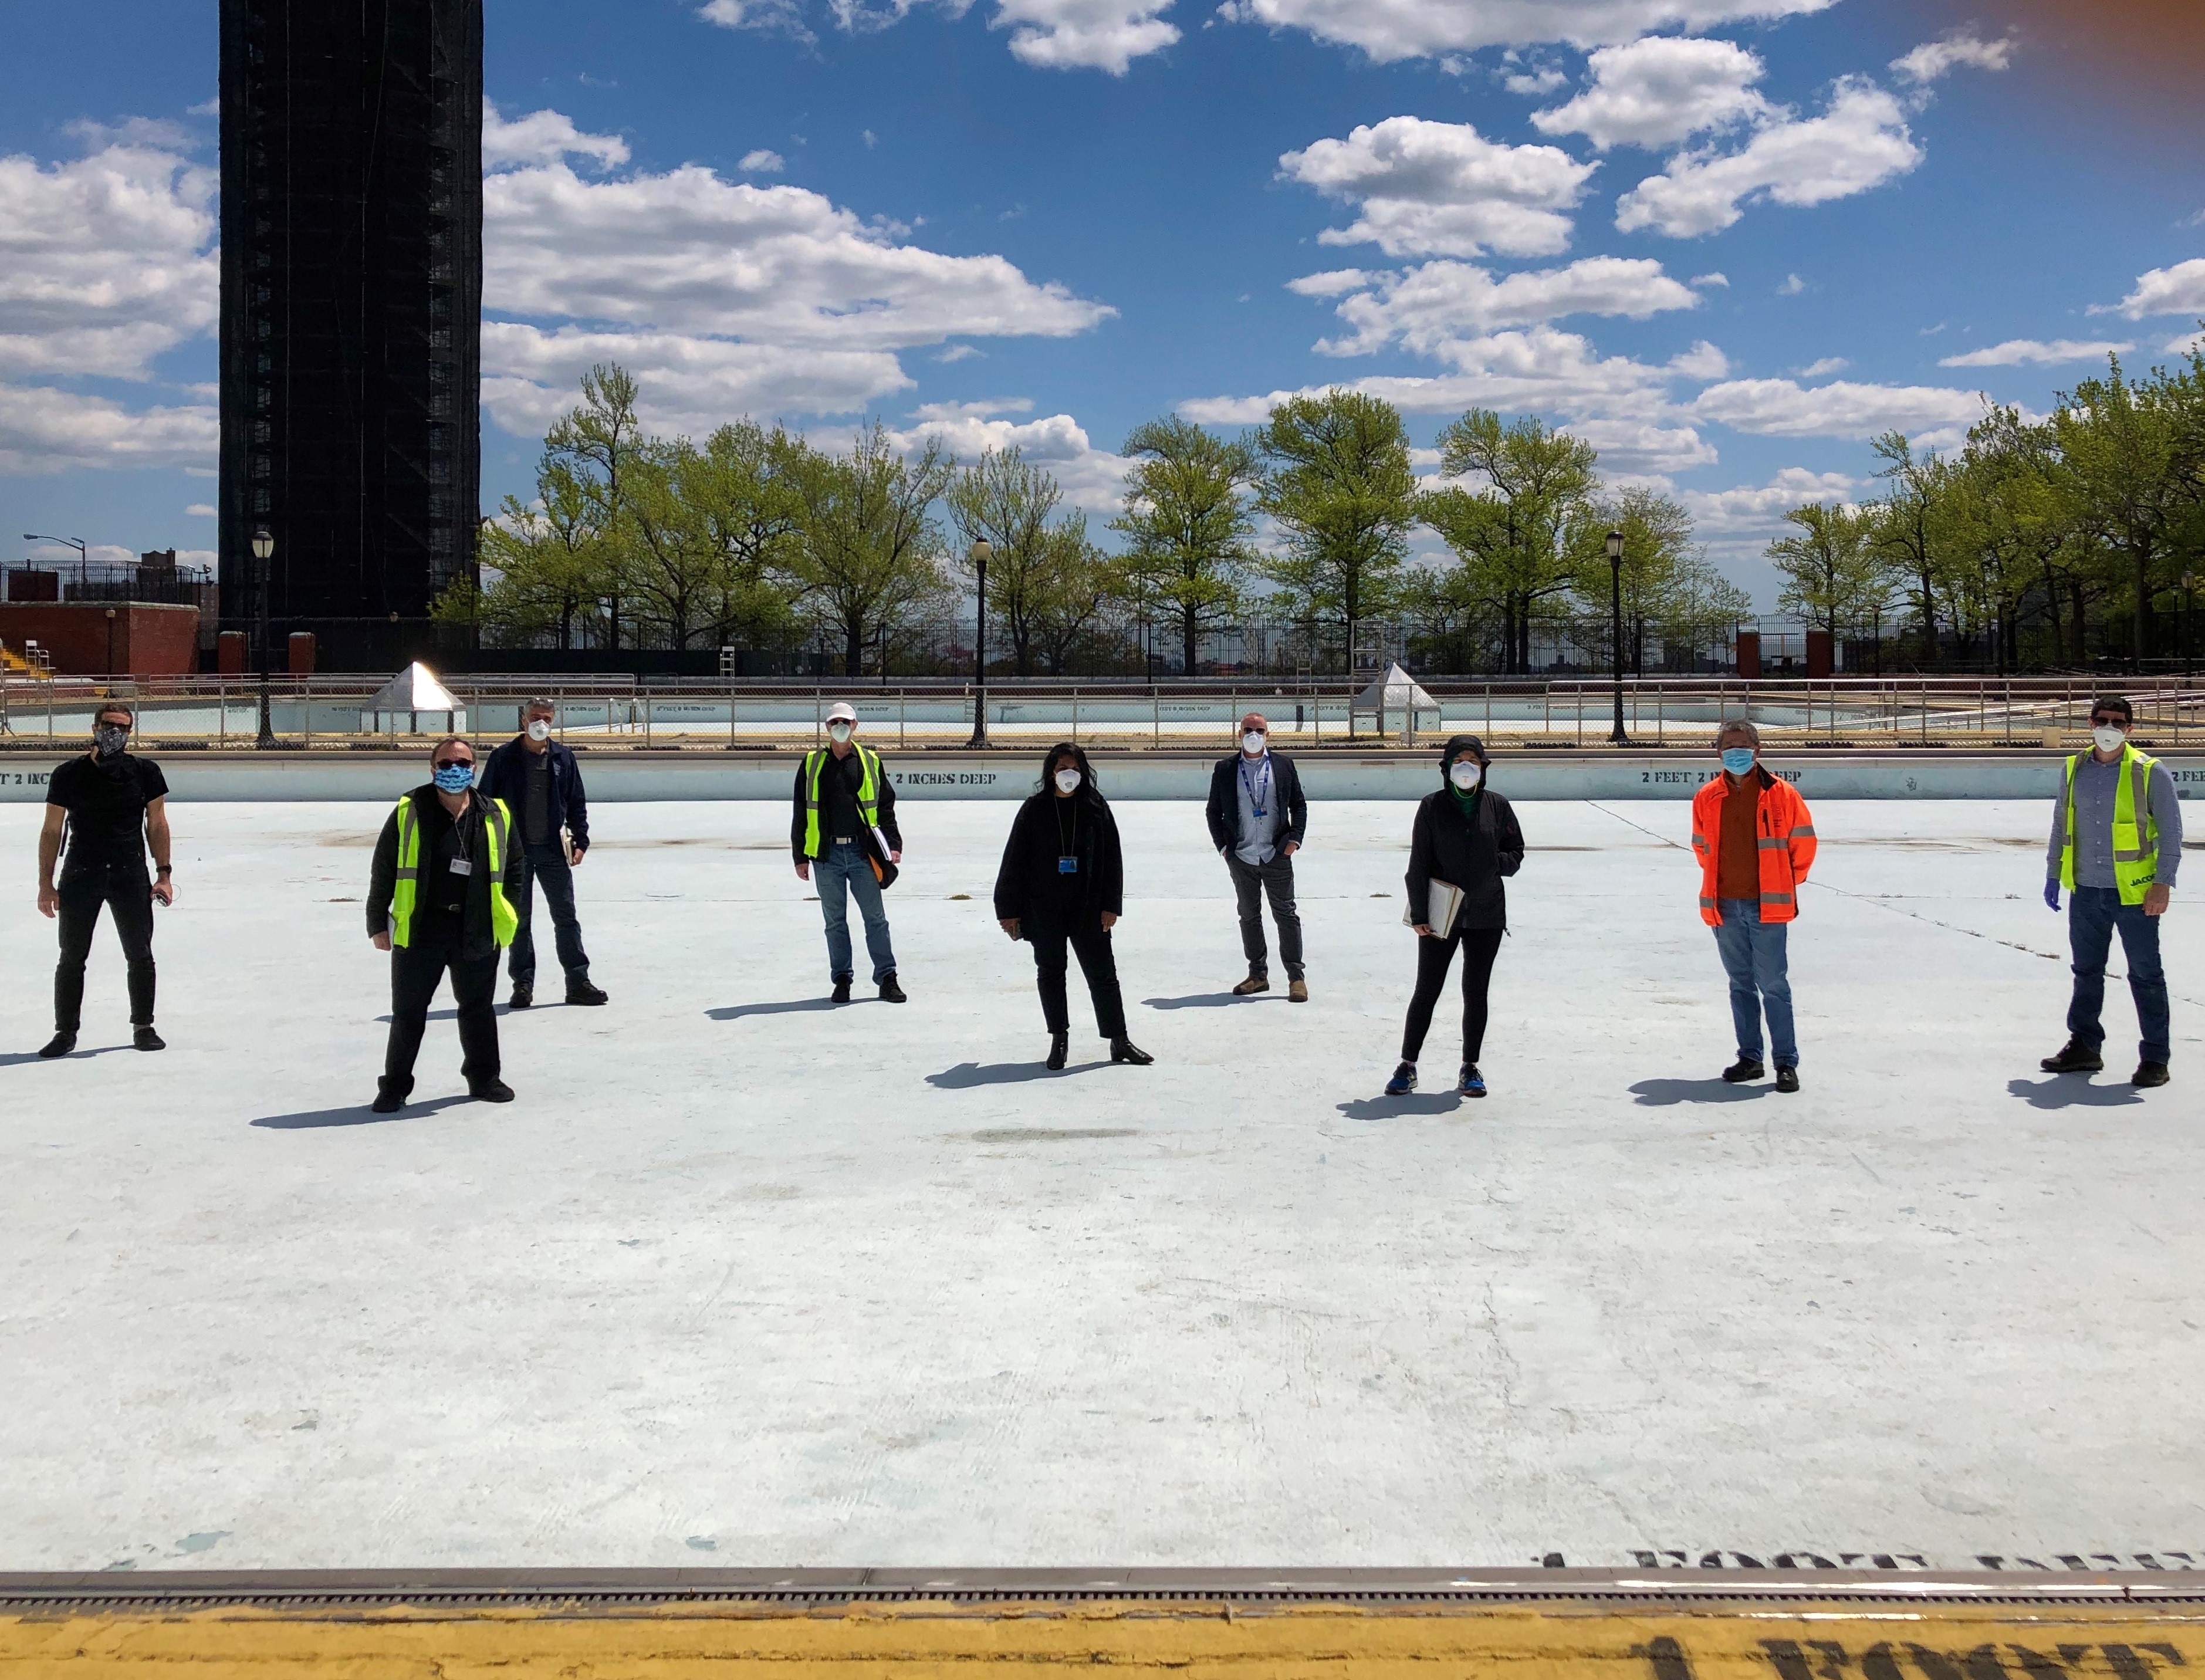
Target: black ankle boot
(144, 1038)
(1060, 1048)
(60, 1045)
(1125, 1050)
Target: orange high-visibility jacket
(1784, 834)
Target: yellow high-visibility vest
(504, 920)
(869, 792)
(2135, 838)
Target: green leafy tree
(1912, 529)
(1338, 483)
(1007, 501)
(1079, 588)
(596, 442)
(1832, 575)
(1186, 525)
(1657, 539)
(1512, 537)
(872, 553)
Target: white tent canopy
(1396, 692)
(414, 690)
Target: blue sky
(1726, 240)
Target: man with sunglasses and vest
(2116, 848)
(437, 901)
(844, 836)
(1755, 839)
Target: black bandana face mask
(109, 738)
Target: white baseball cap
(840, 712)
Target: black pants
(124, 889)
(415, 970)
(1092, 943)
(547, 863)
(1252, 883)
(1480, 945)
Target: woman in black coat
(1467, 836)
(1063, 883)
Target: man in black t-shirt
(110, 806)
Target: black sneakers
(2150, 1073)
(524, 995)
(841, 989)
(60, 1045)
(2077, 1058)
(1404, 1080)
(494, 1090)
(1125, 1050)
(890, 992)
(1744, 1072)
(582, 992)
(1059, 1047)
(1787, 1079)
(144, 1038)
(386, 1102)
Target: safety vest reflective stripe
(1807, 829)
(1774, 843)
(869, 794)
(1776, 898)
(1707, 903)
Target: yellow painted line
(939, 1642)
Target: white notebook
(1444, 905)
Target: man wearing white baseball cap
(844, 835)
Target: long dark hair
(1072, 749)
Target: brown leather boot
(1297, 991)
(1253, 984)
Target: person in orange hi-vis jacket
(1755, 839)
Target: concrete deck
(740, 1279)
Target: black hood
(1460, 746)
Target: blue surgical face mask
(456, 780)
(1737, 760)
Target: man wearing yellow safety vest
(844, 836)
(2116, 848)
(437, 901)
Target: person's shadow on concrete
(1398, 1107)
(1669, 1093)
(359, 1114)
(18, 1058)
(966, 1076)
(2064, 1091)
(452, 1014)
(1210, 1000)
(736, 1011)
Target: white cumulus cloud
(1658, 91)
(46, 430)
(1091, 478)
(1786, 408)
(1961, 48)
(1085, 34)
(106, 261)
(762, 162)
(1431, 307)
(1427, 188)
(1860, 142)
(2179, 290)
(2029, 352)
(1389, 30)
(543, 137)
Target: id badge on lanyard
(1067, 866)
(462, 866)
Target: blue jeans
(2093, 913)
(841, 865)
(1753, 955)
(547, 863)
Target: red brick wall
(149, 641)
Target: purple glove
(2052, 895)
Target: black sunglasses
(2104, 719)
(455, 763)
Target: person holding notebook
(1465, 842)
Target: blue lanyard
(1258, 791)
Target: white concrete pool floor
(743, 1279)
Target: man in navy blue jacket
(541, 784)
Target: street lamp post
(110, 641)
(982, 550)
(263, 551)
(83, 560)
(1616, 737)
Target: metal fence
(618, 713)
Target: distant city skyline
(1725, 240)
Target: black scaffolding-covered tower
(351, 319)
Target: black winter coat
(1474, 854)
(1224, 810)
(1029, 887)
